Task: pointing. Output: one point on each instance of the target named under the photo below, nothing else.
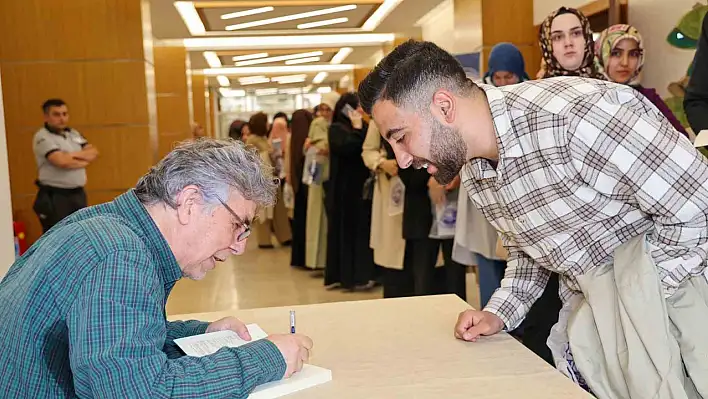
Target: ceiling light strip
(319, 78)
(380, 14)
(341, 55)
(286, 77)
(212, 59)
(246, 13)
(265, 70)
(190, 17)
(279, 58)
(223, 81)
(249, 56)
(279, 42)
(325, 22)
(292, 17)
(302, 60)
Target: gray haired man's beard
(448, 151)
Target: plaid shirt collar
(507, 141)
(130, 207)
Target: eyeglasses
(247, 227)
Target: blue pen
(292, 322)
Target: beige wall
(438, 26)
(7, 249)
(541, 8)
(655, 19)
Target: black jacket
(417, 207)
(696, 101)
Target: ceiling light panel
(341, 55)
(287, 77)
(287, 82)
(250, 56)
(223, 81)
(292, 17)
(279, 42)
(190, 17)
(279, 58)
(326, 22)
(212, 59)
(266, 92)
(380, 14)
(246, 13)
(254, 81)
(226, 92)
(320, 77)
(266, 70)
(302, 60)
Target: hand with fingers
(471, 324)
(295, 349)
(230, 323)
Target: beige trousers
(627, 340)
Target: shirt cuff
(504, 308)
(268, 357)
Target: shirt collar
(59, 132)
(132, 209)
(507, 140)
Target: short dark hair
(259, 124)
(412, 73)
(52, 102)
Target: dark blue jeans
(491, 273)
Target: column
(498, 25)
(173, 102)
(199, 101)
(96, 56)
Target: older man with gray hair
(83, 310)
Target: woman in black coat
(350, 262)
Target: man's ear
(444, 106)
(189, 200)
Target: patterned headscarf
(550, 66)
(607, 42)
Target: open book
(206, 344)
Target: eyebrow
(571, 29)
(393, 131)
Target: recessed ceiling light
(249, 56)
(319, 78)
(190, 17)
(291, 81)
(341, 55)
(245, 13)
(292, 17)
(302, 60)
(279, 42)
(253, 81)
(223, 81)
(279, 58)
(324, 89)
(381, 12)
(326, 22)
(246, 78)
(291, 90)
(212, 59)
(286, 77)
(266, 92)
(266, 70)
(226, 92)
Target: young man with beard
(581, 177)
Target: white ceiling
(167, 25)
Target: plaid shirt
(585, 165)
(83, 315)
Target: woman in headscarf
(567, 46)
(620, 58)
(505, 66)
(350, 260)
(316, 242)
(294, 163)
(272, 220)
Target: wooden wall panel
(172, 115)
(173, 102)
(125, 155)
(170, 69)
(500, 24)
(70, 30)
(96, 92)
(199, 100)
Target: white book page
(702, 139)
(206, 344)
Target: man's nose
(404, 159)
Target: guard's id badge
(80, 140)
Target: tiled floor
(264, 278)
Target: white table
(404, 348)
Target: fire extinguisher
(20, 238)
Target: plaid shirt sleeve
(624, 149)
(181, 329)
(117, 332)
(523, 283)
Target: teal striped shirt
(82, 314)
